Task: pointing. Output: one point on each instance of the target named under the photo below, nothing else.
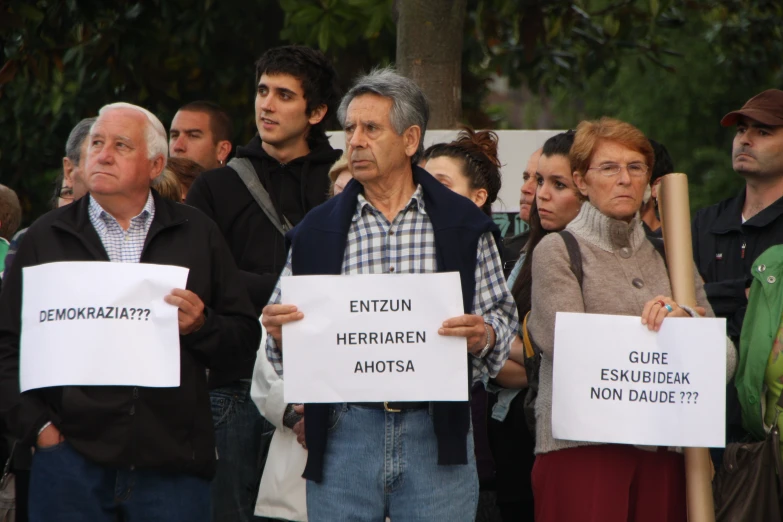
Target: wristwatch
(290, 417)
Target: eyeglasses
(64, 192)
(610, 170)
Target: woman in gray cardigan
(623, 274)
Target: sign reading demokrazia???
(99, 323)
(615, 381)
(373, 338)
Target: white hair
(155, 132)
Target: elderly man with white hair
(105, 453)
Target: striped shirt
(122, 246)
(407, 246)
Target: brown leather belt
(393, 407)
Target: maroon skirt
(609, 483)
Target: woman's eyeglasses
(64, 192)
(610, 170)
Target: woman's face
(449, 171)
(66, 194)
(617, 195)
(341, 181)
(557, 199)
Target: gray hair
(409, 105)
(73, 147)
(155, 133)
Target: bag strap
(247, 174)
(574, 254)
(575, 259)
(7, 467)
(529, 350)
(658, 245)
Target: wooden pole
(674, 207)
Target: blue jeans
(380, 464)
(242, 437)
(66, 487)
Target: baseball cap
(766, 108)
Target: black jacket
(725, 250)
(257, 246)
(167, 429)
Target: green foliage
(671, 67)
(680, 106)
(558, 42)
(327, 24)
(65, 59)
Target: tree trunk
(429, 51)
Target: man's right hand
(49, 437)
(274, 316)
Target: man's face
(117, 162)
(527, 194)
(191, 137)
(374, 148)
(758, 149)
(280, 110)
(74, 174)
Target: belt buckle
(390, 410)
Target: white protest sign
(615, 381)
(374, 338)
(99, 323)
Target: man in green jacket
(759, 377)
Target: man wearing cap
(729, 236)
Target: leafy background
(672, 68)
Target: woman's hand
(655, 311)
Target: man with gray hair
(395, 218)
(70, 185)
(105, 453)
(75, 153)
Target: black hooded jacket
(257, 246)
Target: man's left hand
(191, 310)
(469, 326)
(299, 427)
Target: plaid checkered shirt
(122, 246)
(407, 246)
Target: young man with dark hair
(201, 131)
(272, 183)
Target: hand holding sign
(191, 310)
(274, 316)
(655, 311)
(471, 327)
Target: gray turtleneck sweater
(615, 254)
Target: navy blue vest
(319, 243)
